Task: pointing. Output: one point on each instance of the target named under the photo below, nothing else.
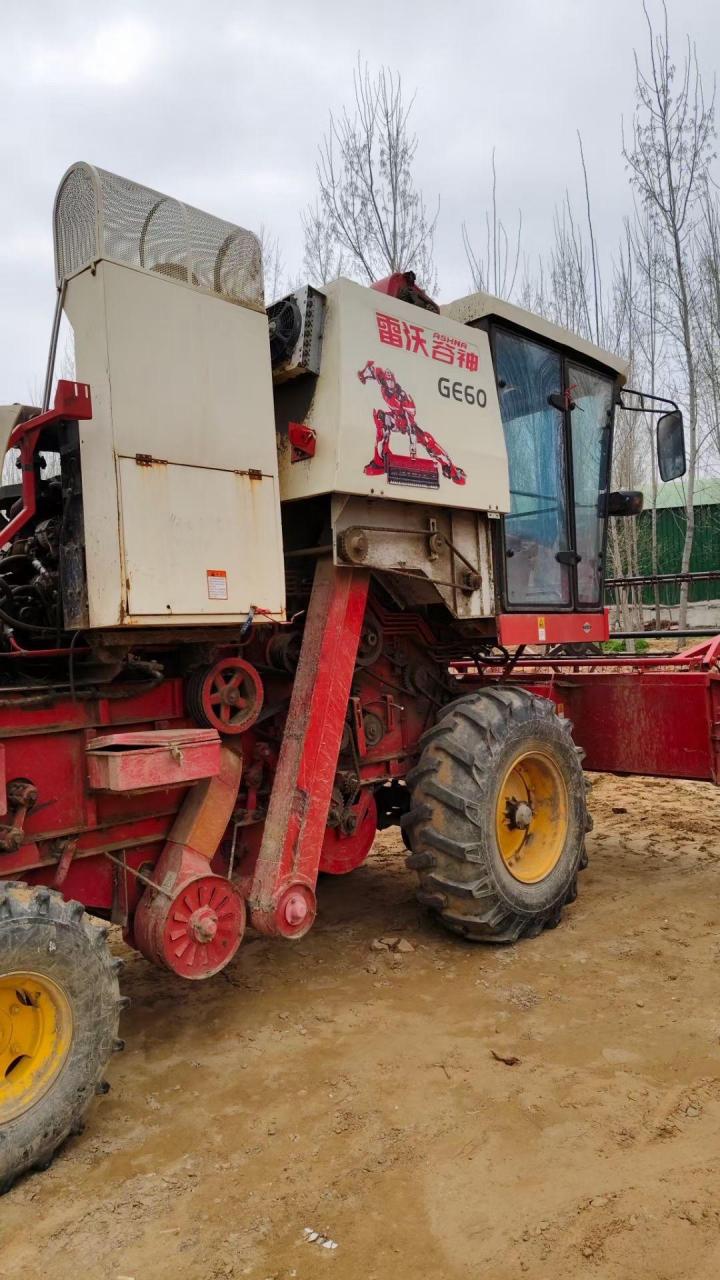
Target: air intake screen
(99, 215)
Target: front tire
(59, 1011)
(498, 815)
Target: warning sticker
(217, 584)
(541, 628)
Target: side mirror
(625, 502)
(671, 446)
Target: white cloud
(114, 55)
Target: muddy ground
(354, 1091)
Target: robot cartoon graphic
(400, 416)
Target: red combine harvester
(264, 593)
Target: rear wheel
(59, 1010)
(498, 815)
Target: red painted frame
(281, 895)
(553, 628)
(72, 404)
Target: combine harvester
(265, 587)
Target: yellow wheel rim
(531, 817)
(35, 1037)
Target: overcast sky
(223, 103)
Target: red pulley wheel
(343, 851)
(227, 696)
(197, 930)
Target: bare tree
(668, 158)
(494, 268)
(708, 301)
(369, 212)
(644, 253)
(273, 265)
(323, 258)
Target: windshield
(553, 551)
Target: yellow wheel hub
(35, 1036)
(531, 817)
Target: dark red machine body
(188, 790)
(658, 715)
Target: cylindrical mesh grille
(99, 215)
(75, 222)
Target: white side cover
(176, 530)
(445, 369)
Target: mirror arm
(643, 408)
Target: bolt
(296, 909)
(14, 1009)
(203, 925)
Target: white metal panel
(198, 541)
(442, 366)
(182, 377)
(190, 372)
(85, 307)
(479, 306)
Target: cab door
(557, 418)
(592, 395)
(536, 530)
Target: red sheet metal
(553, 628)
(661, 723)
(144, 761)
(282, 894)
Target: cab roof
(482, 306)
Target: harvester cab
(501, 419)
(260, 583)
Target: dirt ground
(353, 1090)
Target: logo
(426, 342)
(399, 417)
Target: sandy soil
(354, 1090)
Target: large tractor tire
(59, 1011)
(498, 815)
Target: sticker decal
(217, 587)
(399, 416)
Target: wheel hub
(203, 924)
(519, 815)
(227, 696)
(531, 816)
(35, 1037)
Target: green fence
(671, 526)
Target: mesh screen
(99, 215)
(75, 222)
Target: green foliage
(621, 646)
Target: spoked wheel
(59, 1010)
(346, 847)
(498, 815)
(227, 696)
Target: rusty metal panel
(436, 552)
(199, 542)
(143, 761)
